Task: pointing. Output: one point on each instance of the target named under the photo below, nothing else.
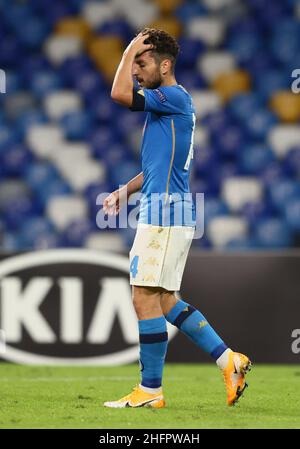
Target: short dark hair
(164, 45)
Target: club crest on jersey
(161, 96)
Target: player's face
(146, 71)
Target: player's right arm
(114, 201)
(122, 88)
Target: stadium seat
(273, 233)
(96, 13)
(282, 138)
(74, 26)
(105, 241)
(17, 103)
(61, 102)
(214, 63)
(291, 162)
(254, 158)
(205, 102)
(222, 229)
(292, 213)
(214, 207)
(18, 211)
(260, 123)
(168, 23)
(62, 210)
(77, 232)
(286, 105)
(16, 159)
(282, 191)
(10, 189)
(60, 48)
(237, 191)
(138, 13)
(44, 139)
(231, 83)
(209, 30)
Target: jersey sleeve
(138, 100)
(164, 101)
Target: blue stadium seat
(268, 81)
(45, 81)
(214, 207)
(292, 213)
(10, 49)
(254, 158)
(120, 174)
(272, 173)
(229, 142)
(253, 212)
(16, 159)
(52, 188)
(32, 31)
(244, 44)
(101, 139)
(190, 50)
(116, 27)
(71, 69)
(16, 213)
(8, 137)
(204, 161)
(259, 123)
(34, 229)
(89, 83)
(283, 191)
(40, 174)
(242, 106)
(77, 232)
(14, 82)
(273, 233)
(188, 10)
(291, 162)
(29, 118)
(77, 125)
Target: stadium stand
(63, 141)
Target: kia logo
(68, 307)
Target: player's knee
(145, 300)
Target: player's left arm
(122, 88)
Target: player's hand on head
(138, 44)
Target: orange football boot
(234, 376)
(138, 398)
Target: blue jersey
(167, 152)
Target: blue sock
(193, 324)
(153, 348)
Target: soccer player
(159, 251)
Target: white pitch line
(73, 379)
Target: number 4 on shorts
(133, 266)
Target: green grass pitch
(72, 397)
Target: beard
(155, 82)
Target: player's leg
(146, 261)
(153, 337)
(192, 323)
(153, 347)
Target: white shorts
(158, 255)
